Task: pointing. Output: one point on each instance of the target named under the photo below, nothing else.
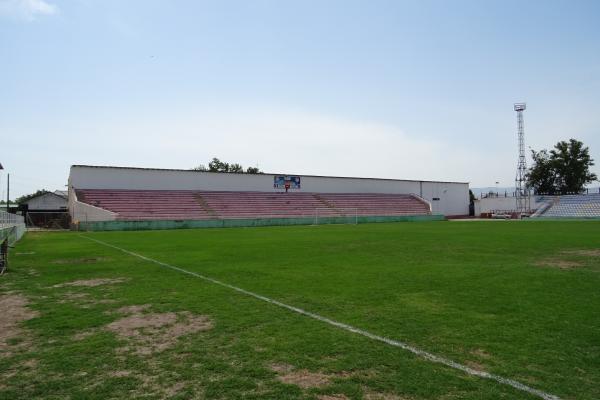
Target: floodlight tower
(521, 191)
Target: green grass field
(516, 299)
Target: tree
(235, 167)
(216, 165)
(472, 197)
(24, 198)
(572, 163)
(542, 175)
(564, 169)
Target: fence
(506, 193)
(121, 225)
(12, 228)
(48, 219)
(9, 220)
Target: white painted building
(51, 201)
(446, 198)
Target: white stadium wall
(447, 198)
(493, 204)
(82, 212)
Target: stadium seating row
(572, 206)
(184, 204)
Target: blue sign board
(286, 182)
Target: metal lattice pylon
(521, 191)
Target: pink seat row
(189, 204)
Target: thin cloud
(278, 140)
(27, 10)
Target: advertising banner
(286, 182)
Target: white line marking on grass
(421, 353)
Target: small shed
(51, 201)
(48, 210)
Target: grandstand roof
(265, 173)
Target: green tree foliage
(235, 167)
(572, 164)
(24, 198)
(542, 175)
(216, 165)
(471, 196)
(564, 169)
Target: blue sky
(395, 89)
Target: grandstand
(569, 206)
(188, 204)
(103, 194)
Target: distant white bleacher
(571, 206)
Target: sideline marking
(421, 353)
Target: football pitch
(430, 310)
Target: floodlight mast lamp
(521, 191)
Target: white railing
(12, 227)
(424, 200)
(8, 219)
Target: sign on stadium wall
(286, 182)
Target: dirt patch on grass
(30, 364)
(570, 259)
(137, 309)
(332, 397)
(149, 383)
(75, 296)
(104, 301)
(83, 335)
(91, 282)
(281, 368)
(475, 365)
(83, 300)
(480, 353)
(584, 253)
(133, 325)
(84, 260)
(302, 377)
(154, 332)
(558, 263)
(13, 311)
(119, 374)
(305, 379)
(25, 369)
(173, 390)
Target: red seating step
(189, 204)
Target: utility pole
(1, 168)
(7, 192)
